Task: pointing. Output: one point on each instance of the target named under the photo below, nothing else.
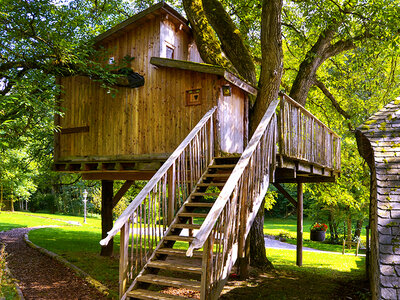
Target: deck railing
(227, 225)
(145, 221)
(303, 137)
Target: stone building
(378, 142)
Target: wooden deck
(308, 151)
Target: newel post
(123, 259)
(206, 275)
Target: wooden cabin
(138, 128)
(184, 127)
(378, 142)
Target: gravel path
(39, 276)
(276, 244)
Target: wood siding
(152, 119)
(145, 122)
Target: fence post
(123, 259)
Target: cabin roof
(141, 16)
(385, 120)
(204, 68)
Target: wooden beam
(74, 130)
(204, 68)
(299, 247)
(286, 194)
(306, 179)
(115, 175)
(124, 188)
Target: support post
(299, 248)
(123, 260)
(106, 215)
(205, 293)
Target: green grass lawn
(10, 220)
(288, 229)
(80, 246)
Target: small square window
(169, 52)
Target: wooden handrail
(307, 112)
(124, 218)
(209, 222)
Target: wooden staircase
(169, 267)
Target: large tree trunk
(204, 35)
(258, 257)
(271, 69)
(106, 215)
(270, 78)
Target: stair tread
(218, 175)
(210, 184)
(146, 294)
(186, 226)
(174, 266)
(205, 194)
(170, 281)
(179, 238)
(178, 252)
(222, 166)
(199, 204)
(191, 214)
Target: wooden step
(187, 226)
(170, 281)
(226, 160)
(222, 166)
(178, 252)
(204, 184)
(192, 215)
(219, 175)
(205, 194)
(146, 294)
(160, 264)
(179, 238)
(199, 204)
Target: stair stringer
(233, 254)
(168, 231)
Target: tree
(209, 16)
(315, 32)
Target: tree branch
(231, 40)
(206, 40)
(328, 94)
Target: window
(169, 52)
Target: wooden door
(231, 121)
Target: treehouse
(182, 125)
(139, 127)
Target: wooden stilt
(299, 248)
(106, 215)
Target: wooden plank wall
(172, 35)
(152, 119)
